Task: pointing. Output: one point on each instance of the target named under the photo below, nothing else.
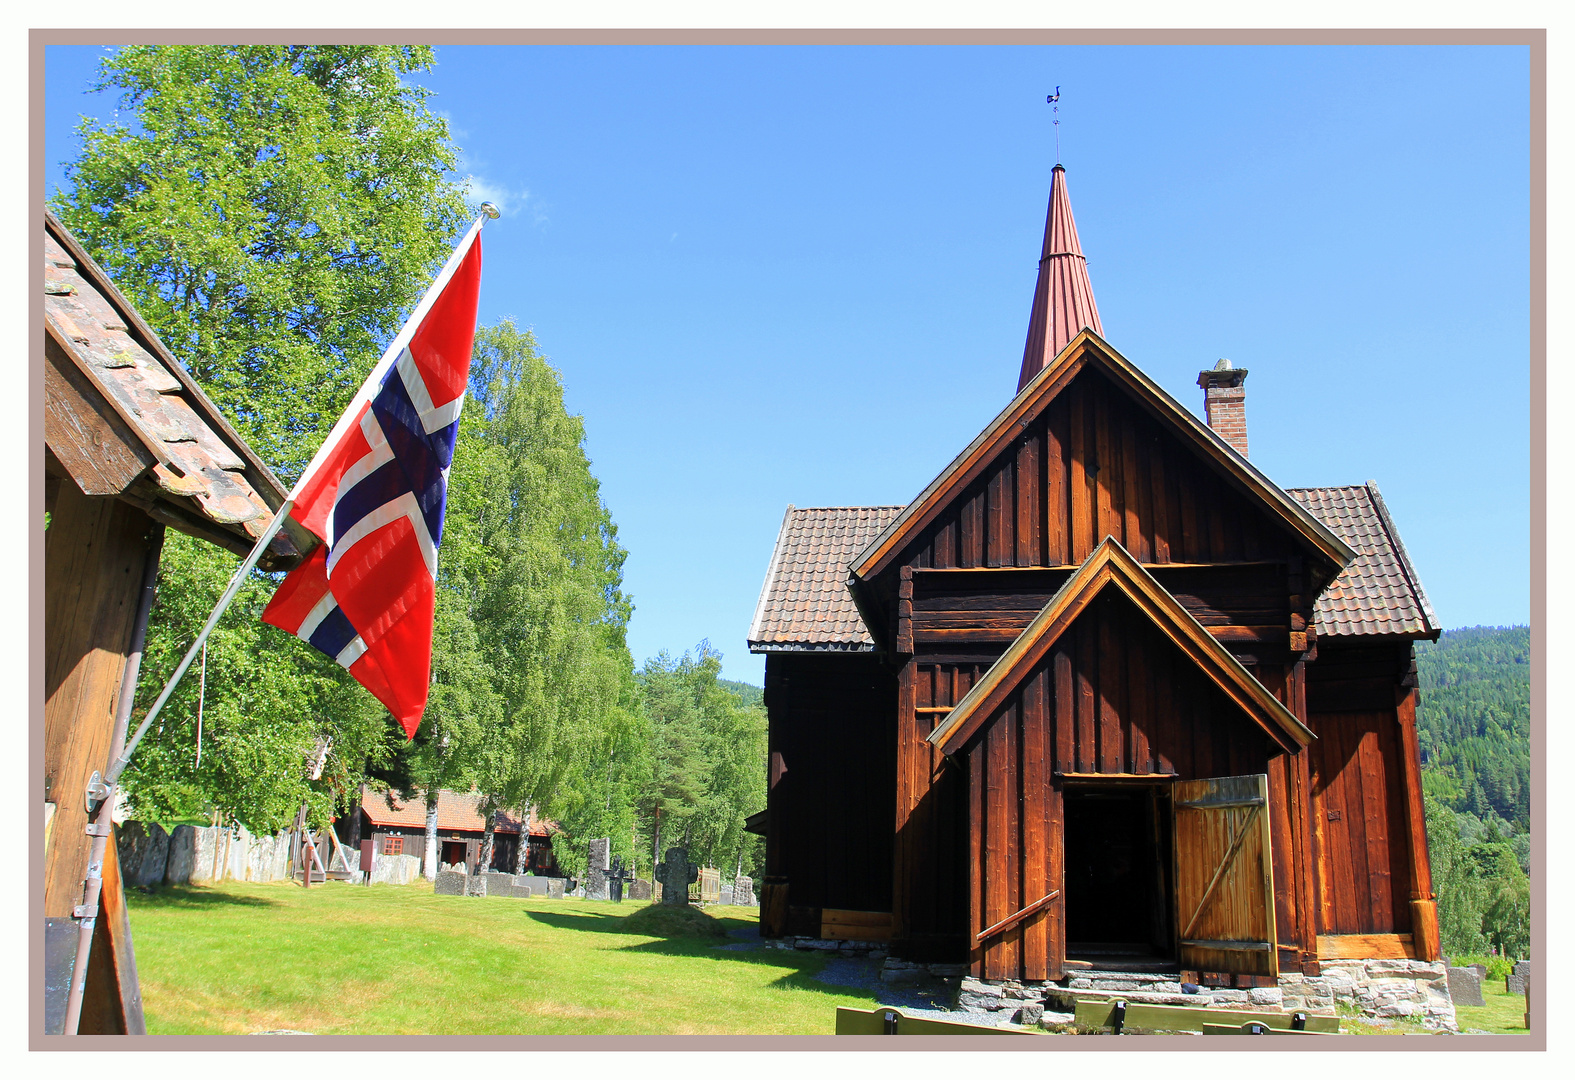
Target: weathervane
(1053, 99)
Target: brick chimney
(1225, 403)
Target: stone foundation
(1377, 989)
(875, 950)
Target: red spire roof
(1063, 297)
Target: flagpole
(105, 790)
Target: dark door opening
(1118, 892)
(453, 853)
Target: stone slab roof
(456, 813)
(805, 605)
(1380, 592)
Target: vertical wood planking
(1081, 525)
(971, 526)
(1132, 507)
(1159, 499)
(1375, 822)
(1191, 548)
(976, 868)
(1110, 657)
(1065, 709)
(995, 869)
(1030, 512)
(1164, 741)
(1139, 684)
(944, 549)
(1010, 781)
(1057, 508)
(1036, 786)
(1087, 743)
(1105, 517)
(997, 534)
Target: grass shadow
(175, 897)
(802, 967)
(594, 921)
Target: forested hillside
(1474, 726)
(1474, 721)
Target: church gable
(1092, 448)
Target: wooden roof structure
(123, 417)
(1088, 349)
(1111, 567)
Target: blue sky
(802, 274)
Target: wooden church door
(1225, 875)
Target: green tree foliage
(537, 695)
(708, 761)
(1474, 729)
(273, 212)
(1474, 721)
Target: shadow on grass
(802, 966)
(594, 921)
(193, 896)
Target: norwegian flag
(375, 494)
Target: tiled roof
(460, 813)
(113, 381)
(1379, 593)
(805, 604)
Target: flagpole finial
(490, 210)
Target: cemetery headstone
(676, 874)
(596, 870)
(639, 890)
(554, 888)
(1465, 987)
(498, 884)
(475, 885)
(616, 876)
(1515, 981)
(450, 883)
(744, 891)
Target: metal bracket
(1118, 1017)
(82, 911)
(97, 790)
(94, 828)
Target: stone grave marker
(450, 883)
(1465, 986)
(639, 890)
(596, 870)
(498, 884)
(676, 874)
(616, 876)
(744, 891)
(1515, 981)
(475, 885)
(554, 888)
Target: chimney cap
(1222, 375)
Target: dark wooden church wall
(1090, 708)
(833, 734)
(1359, 822)
(1094, 464)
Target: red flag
(375, 494)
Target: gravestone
(744, 891)
(639, 890)
(1515, 981)
(1465, 987)
(539, 886)
(143, 850)
(554, 888)
(499, 884)
(596, 870)
(724, 892)
(182, 855)
(450, 883)
(677, 873)
(475, 885)
(615, 879)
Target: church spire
(1063, 297)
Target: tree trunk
(521, 852)
(489, 832)
(429, 856)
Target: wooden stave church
(1099, 631)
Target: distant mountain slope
(1474, 721)
(749, 695)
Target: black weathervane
(1053, 100)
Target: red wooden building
(1102, 691)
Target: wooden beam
(1016, 917)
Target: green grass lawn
(1502, 1013)
(343, 959)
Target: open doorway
(1119, 906)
